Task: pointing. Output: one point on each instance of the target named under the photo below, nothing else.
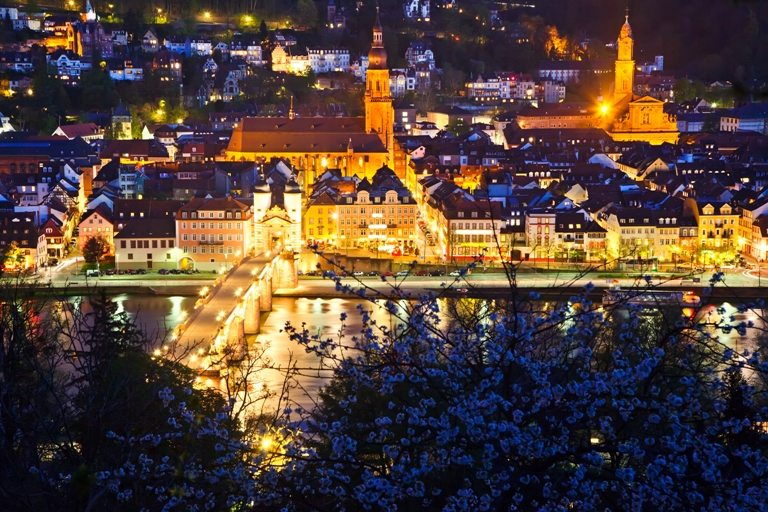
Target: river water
(156, 315)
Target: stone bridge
(221, 320)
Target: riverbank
(486, 290)
(485, 286)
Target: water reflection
(157, 315)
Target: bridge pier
(265, 293)
(252, 312)
(285, 271)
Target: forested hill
(708, 39)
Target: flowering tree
(529, 408)
(457, 404)
(90, 420)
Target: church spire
(625, 63)
(378, 39)
(377, 57)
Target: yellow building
(718, 232)
(321, 221)
(636, 119)
(355, 145)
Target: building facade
(213, 233)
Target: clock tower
(625, 64)
(379, 114)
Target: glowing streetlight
(207, 15)
(604, 108)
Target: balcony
(211, 242)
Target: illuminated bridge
(217, 328)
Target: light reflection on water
(156, 315)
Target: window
(154, 244)
(130, 255)
(133, 244)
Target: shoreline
(326, 290)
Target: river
(156, 315)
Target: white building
(420, 52)
(68, 65)
(749, 118)
(277, 211)
(416, 10)
(328, 60)
(248, 50)
(5, 124)
(125, 71)
(553, 92)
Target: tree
(94, 249)
(91, 420)
(12, 257)
(306, 13)
(524, 408)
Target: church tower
(379, 114)
(625, 64)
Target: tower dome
(626, 28)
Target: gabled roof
(71, 131)
(214, 204)
(101, 210)
(134, 148)
(140, 228)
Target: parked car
(373, 273)
(403, 273)
(358, 273)
(455, 273)
(387, 273)
(163, 271)
(91, 272)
